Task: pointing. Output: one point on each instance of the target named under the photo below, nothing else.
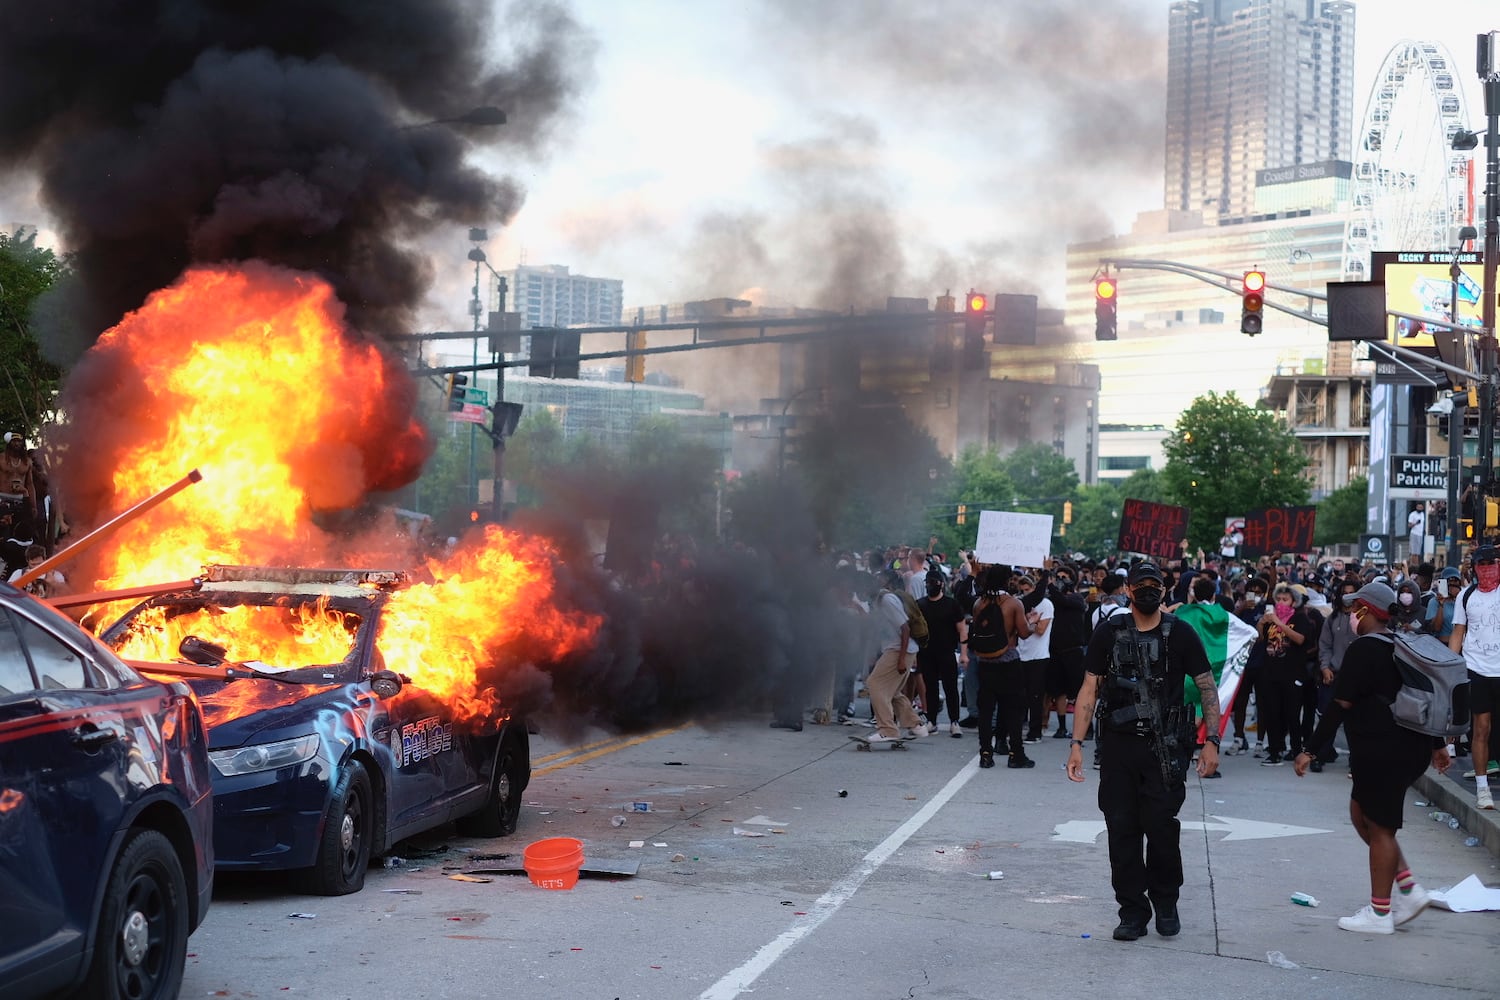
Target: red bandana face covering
(1488, 575)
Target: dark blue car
(320, 767)
(106, 815)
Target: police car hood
(243, 712)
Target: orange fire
(249, 374)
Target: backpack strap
(1464, 597)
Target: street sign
(472, 413)
(476, 397)
(1419, 477)
(1375, 548)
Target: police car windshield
(285, 635)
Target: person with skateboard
(1136, 665)
(898, 651)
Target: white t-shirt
(1481, 621)
(890, 615)
(1034, 647)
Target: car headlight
(264, 756)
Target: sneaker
(1367, 921)
(969, 722)
(1272, 760)
(1020, 761)
(1484, 799)
(986, 759)
(1061, 734)
(917, 732)
(876, 737)
(1129, 932)
(955, 731)
(1260, 750)
(1494, 768)
(1405, 906)
(1032, 739)
(1316, 766)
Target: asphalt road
(759, 876)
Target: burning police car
(323, 757)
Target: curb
(1455, 796)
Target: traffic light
(1106, 298)
(963, 513)
(976, 313)
(635, 364)
(1466, 529)
(1067, 512)
(1253, 302)
(457, 385)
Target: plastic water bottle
(1280, 961)
(1303, 899)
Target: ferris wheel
(1409, 187)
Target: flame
(10, 798)
(249, 374)
(488, 605)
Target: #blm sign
(1013, 539)
(1419, 477)
(1153, 529)
(1278, 529)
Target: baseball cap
(1145, 571)
(1449, 573)
(1486, 552)
(1379, 596)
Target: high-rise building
(1253, 85)
(547, 295)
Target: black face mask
(1147, 599)
(934, 589)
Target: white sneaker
(1367, 921)
(917, 732)
(875, 737)
(1404, 906)
(955, 730)
(1484, 799)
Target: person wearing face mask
(1384, 758)
(1335, 638)
(1139, 662)
(1476, 635)
(1250, 611)
(938, 660)
(1285, 630)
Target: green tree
(1144, 484)
(1343, 514)
(978, 481)
(30, 386)
(1225, 458)
(1096, 520)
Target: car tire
(141, 940)
(501, 812)
(344, 850)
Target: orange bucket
(553, 863)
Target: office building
(547, 295)
(1253, 85)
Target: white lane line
(741, 979)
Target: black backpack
(987, 635)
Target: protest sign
(1013, 539)
(1153, 529)
(1278, 529)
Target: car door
(63, 787)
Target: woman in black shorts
(1384, 760)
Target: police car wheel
(141, 942)
(501, 812)
(344, 850)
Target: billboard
(1420, 283)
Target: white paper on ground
(1469, 896)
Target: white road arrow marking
(1087, 831)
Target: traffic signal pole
(1489, 73)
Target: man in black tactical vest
(1135, 669)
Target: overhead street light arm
(1222, 279)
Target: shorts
(1383, 768)
(1065, 673)
(1484, 693)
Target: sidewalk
(1454, 794)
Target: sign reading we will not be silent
(1153, 529)
(1013, 539)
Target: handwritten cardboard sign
(1153, 529)
(1014, 539)
(1278, 529)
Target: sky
(831, 154)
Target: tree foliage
(1343, 514)
(1225, 458)
(30, 386)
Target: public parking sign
(1374, 548)
(1419, 477)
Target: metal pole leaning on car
(107, 528)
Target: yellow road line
(559, 755)
(598, 749)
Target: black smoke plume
(166, 134)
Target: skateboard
(863, 743)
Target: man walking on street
(1136, 666)
(1476, 634)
